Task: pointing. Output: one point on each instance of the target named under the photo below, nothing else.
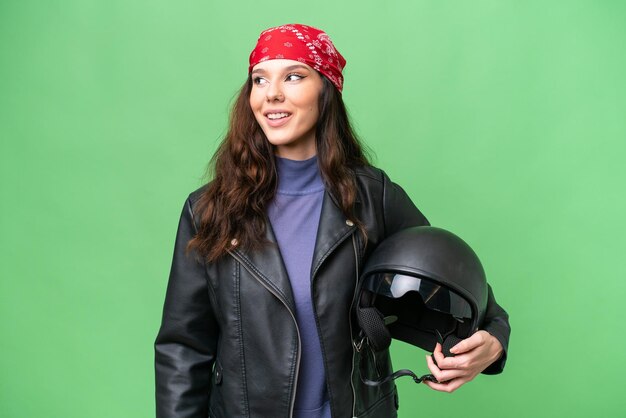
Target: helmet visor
(436, 297)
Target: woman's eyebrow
(286, 69)
(296, 67)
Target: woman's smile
(277, 118)
(277, 115)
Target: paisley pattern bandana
(302, 43)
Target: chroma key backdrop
(503, 120)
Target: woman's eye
(259, 80)
(294, 77)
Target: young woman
(257, 319)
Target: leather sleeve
(497, 324)
(186, 343)
(400, 213)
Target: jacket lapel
(267, 265)
(332, 230)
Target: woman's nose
(274, 94)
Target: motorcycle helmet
(422, 285)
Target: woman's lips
(276, 119)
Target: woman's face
(284, 100)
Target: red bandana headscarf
(302, 43)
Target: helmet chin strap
(392, 376)
(376, 337)
(395, 375)
(446, 343)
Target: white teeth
(277, 115)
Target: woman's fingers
(446, 362)
(448, 380)
(473, 355)
(448, 387)
(443, 375)
(469, 343)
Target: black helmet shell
(438, 256)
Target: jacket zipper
(356, 285)
(272, 291)
(317, 324)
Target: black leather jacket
(229, 345)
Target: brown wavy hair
(232, 208)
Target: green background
(504, 120)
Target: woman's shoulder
(195, 196)
(369, 171)
(370, 174)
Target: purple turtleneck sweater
(294, 214)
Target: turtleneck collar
(298, 177)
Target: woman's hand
(471, 356)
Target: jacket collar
(267, 263)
